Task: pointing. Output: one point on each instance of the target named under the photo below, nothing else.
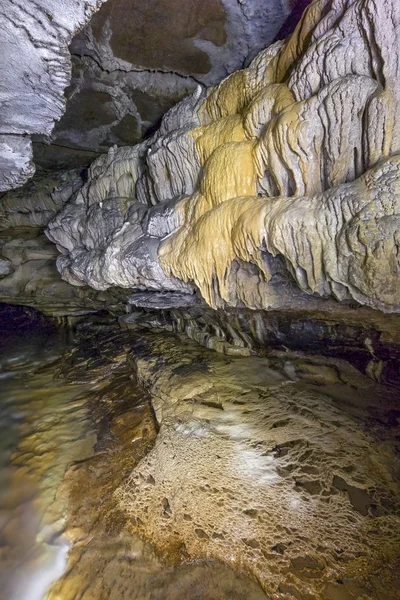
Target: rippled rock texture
(285, 467)
(35, 70)
(29, 277)
(368, 339)
(285, 176)
(73, 425)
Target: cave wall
(281, 182)
(136, 60)
(120, 74)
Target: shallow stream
(43, 427)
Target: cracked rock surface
(136, 60)
(286, 173)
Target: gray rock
(16, 165)
(35, 70)
(6, 267)
(39, 200)
(122, 85)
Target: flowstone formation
(285, 175)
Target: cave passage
(199, 300)
(61, 458)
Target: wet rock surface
(256, 221)
(285, 467)
(43, 426)
(367, 339)
(73, 428)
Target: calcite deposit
(282, 467)
(287, 172)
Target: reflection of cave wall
(137, 59)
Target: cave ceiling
(120, 65)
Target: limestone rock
(39, 200)
(5, 266)
(35, 70)
(249, 467)
(342, 242)
(16, 164)
(109, 245)
(161, 300)
(29, 276)
(286, 171)
(136, 60)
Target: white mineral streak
(288, 170)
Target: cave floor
(73, 425)
(137, 464)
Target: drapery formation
(287, 172)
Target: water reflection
(286, 468)
(65, 444)
(43, 426)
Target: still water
(60, 459)
(43, 427)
